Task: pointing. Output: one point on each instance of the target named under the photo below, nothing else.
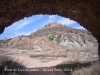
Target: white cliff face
(71, 41)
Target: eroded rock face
(86, 12)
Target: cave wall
(86, 12)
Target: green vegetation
(20, 38)
(58, 38)
(50, 38)
(35, 34)
(71, 31)
(93, 69)
(88, 32)
(30, 36)
(5, 41)
(76, 32)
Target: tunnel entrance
(84, 12)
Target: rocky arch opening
(84, 12)
(75, 59)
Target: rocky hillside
(38, 43)
(66, 36)
(55, 41)
(53, 36)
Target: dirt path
(34, 62)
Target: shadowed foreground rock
(10, 67)
(41, 72)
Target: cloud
(21, 23)
(59, 19)
(23, 33)
(66, 21)
(80, 27)
(18, 25)
(52, 16)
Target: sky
(30, 24)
